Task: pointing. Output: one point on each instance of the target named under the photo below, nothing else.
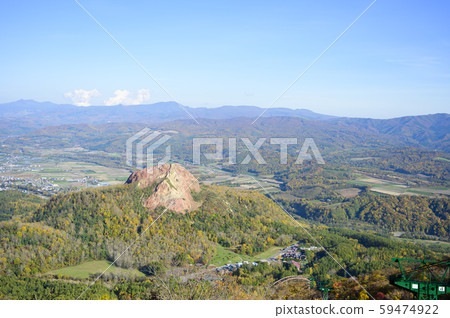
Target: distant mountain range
(59, 114)
(427, 131)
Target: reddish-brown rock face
(173, 185)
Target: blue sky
(394, 61)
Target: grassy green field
(86, 269)
(271, 251)
(224, 256)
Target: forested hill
(431, 131)
(412, 214)
(15, 203)
(99, 223)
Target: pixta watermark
(141, 148)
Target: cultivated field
(398, 188)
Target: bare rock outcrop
(173, 185)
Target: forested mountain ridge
(330, 135)
(429, 131)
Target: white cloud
(125, 97)
(120, 96)
(143, 96)
(81, 97)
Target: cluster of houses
(296, 252)
(18, 164)
(43, 185)
(292, 254)
(39, 185)
(34, 184)
(310, 248)
(232, 267)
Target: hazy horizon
(219, 106)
